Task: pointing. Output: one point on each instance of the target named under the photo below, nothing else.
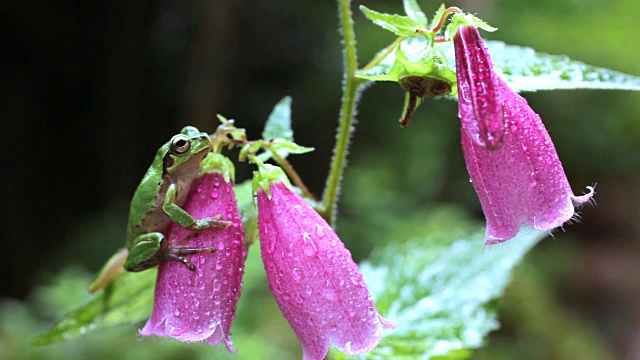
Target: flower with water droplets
(511, 160)
(312, 275)
(200, 305)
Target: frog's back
(145, 212)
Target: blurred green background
(91, 90)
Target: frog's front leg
(184, 219)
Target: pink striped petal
(479, 103)
(523, 181)
(316, 283)
(200, 305)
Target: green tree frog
(157, 203)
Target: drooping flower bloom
(522, 181)
(200, 305)
(313, 277)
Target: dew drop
(309, 250)
(354, 279)
(330, 294)
(308, 290)
(214, 193)
(296, 274)
(301, 210)
(290, 250)
(176, 312)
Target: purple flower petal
(523, 181)
(316, 283)
(200, 305)
(479, 103)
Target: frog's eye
(180, 144)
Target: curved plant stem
(347, 112)
(293, 175)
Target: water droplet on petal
(330, 294)
(296, 274)
(290, 250)
(301, 210)
(309, 250)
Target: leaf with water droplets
(523, 68)
(128, 299)
(442, 291)
(528, 70)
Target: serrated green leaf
(522, 68)
(412, 9)
(283, 148)
(397, 24)
(437, 16)
(279, 122)
(528, 70)
(128, 299)
(248, 210)
(442, 291)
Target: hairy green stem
(347, 112)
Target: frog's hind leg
(180, 253)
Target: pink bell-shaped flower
(200, 305)
(313, 278)
(520, 179)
